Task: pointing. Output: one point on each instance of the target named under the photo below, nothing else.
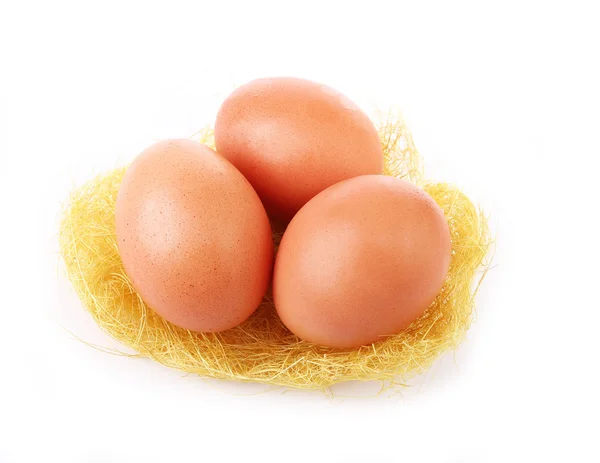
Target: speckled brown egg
(292, 138)
(361, 261)
(193, 235)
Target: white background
(503, 99)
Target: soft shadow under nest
(262, 349)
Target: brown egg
(193, 235)
(292, 138)
(361, 261)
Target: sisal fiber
(262, 349)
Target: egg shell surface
(292, 138)
(193, 235)
(361, 261)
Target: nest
(262, 349)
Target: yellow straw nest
(262, 349)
